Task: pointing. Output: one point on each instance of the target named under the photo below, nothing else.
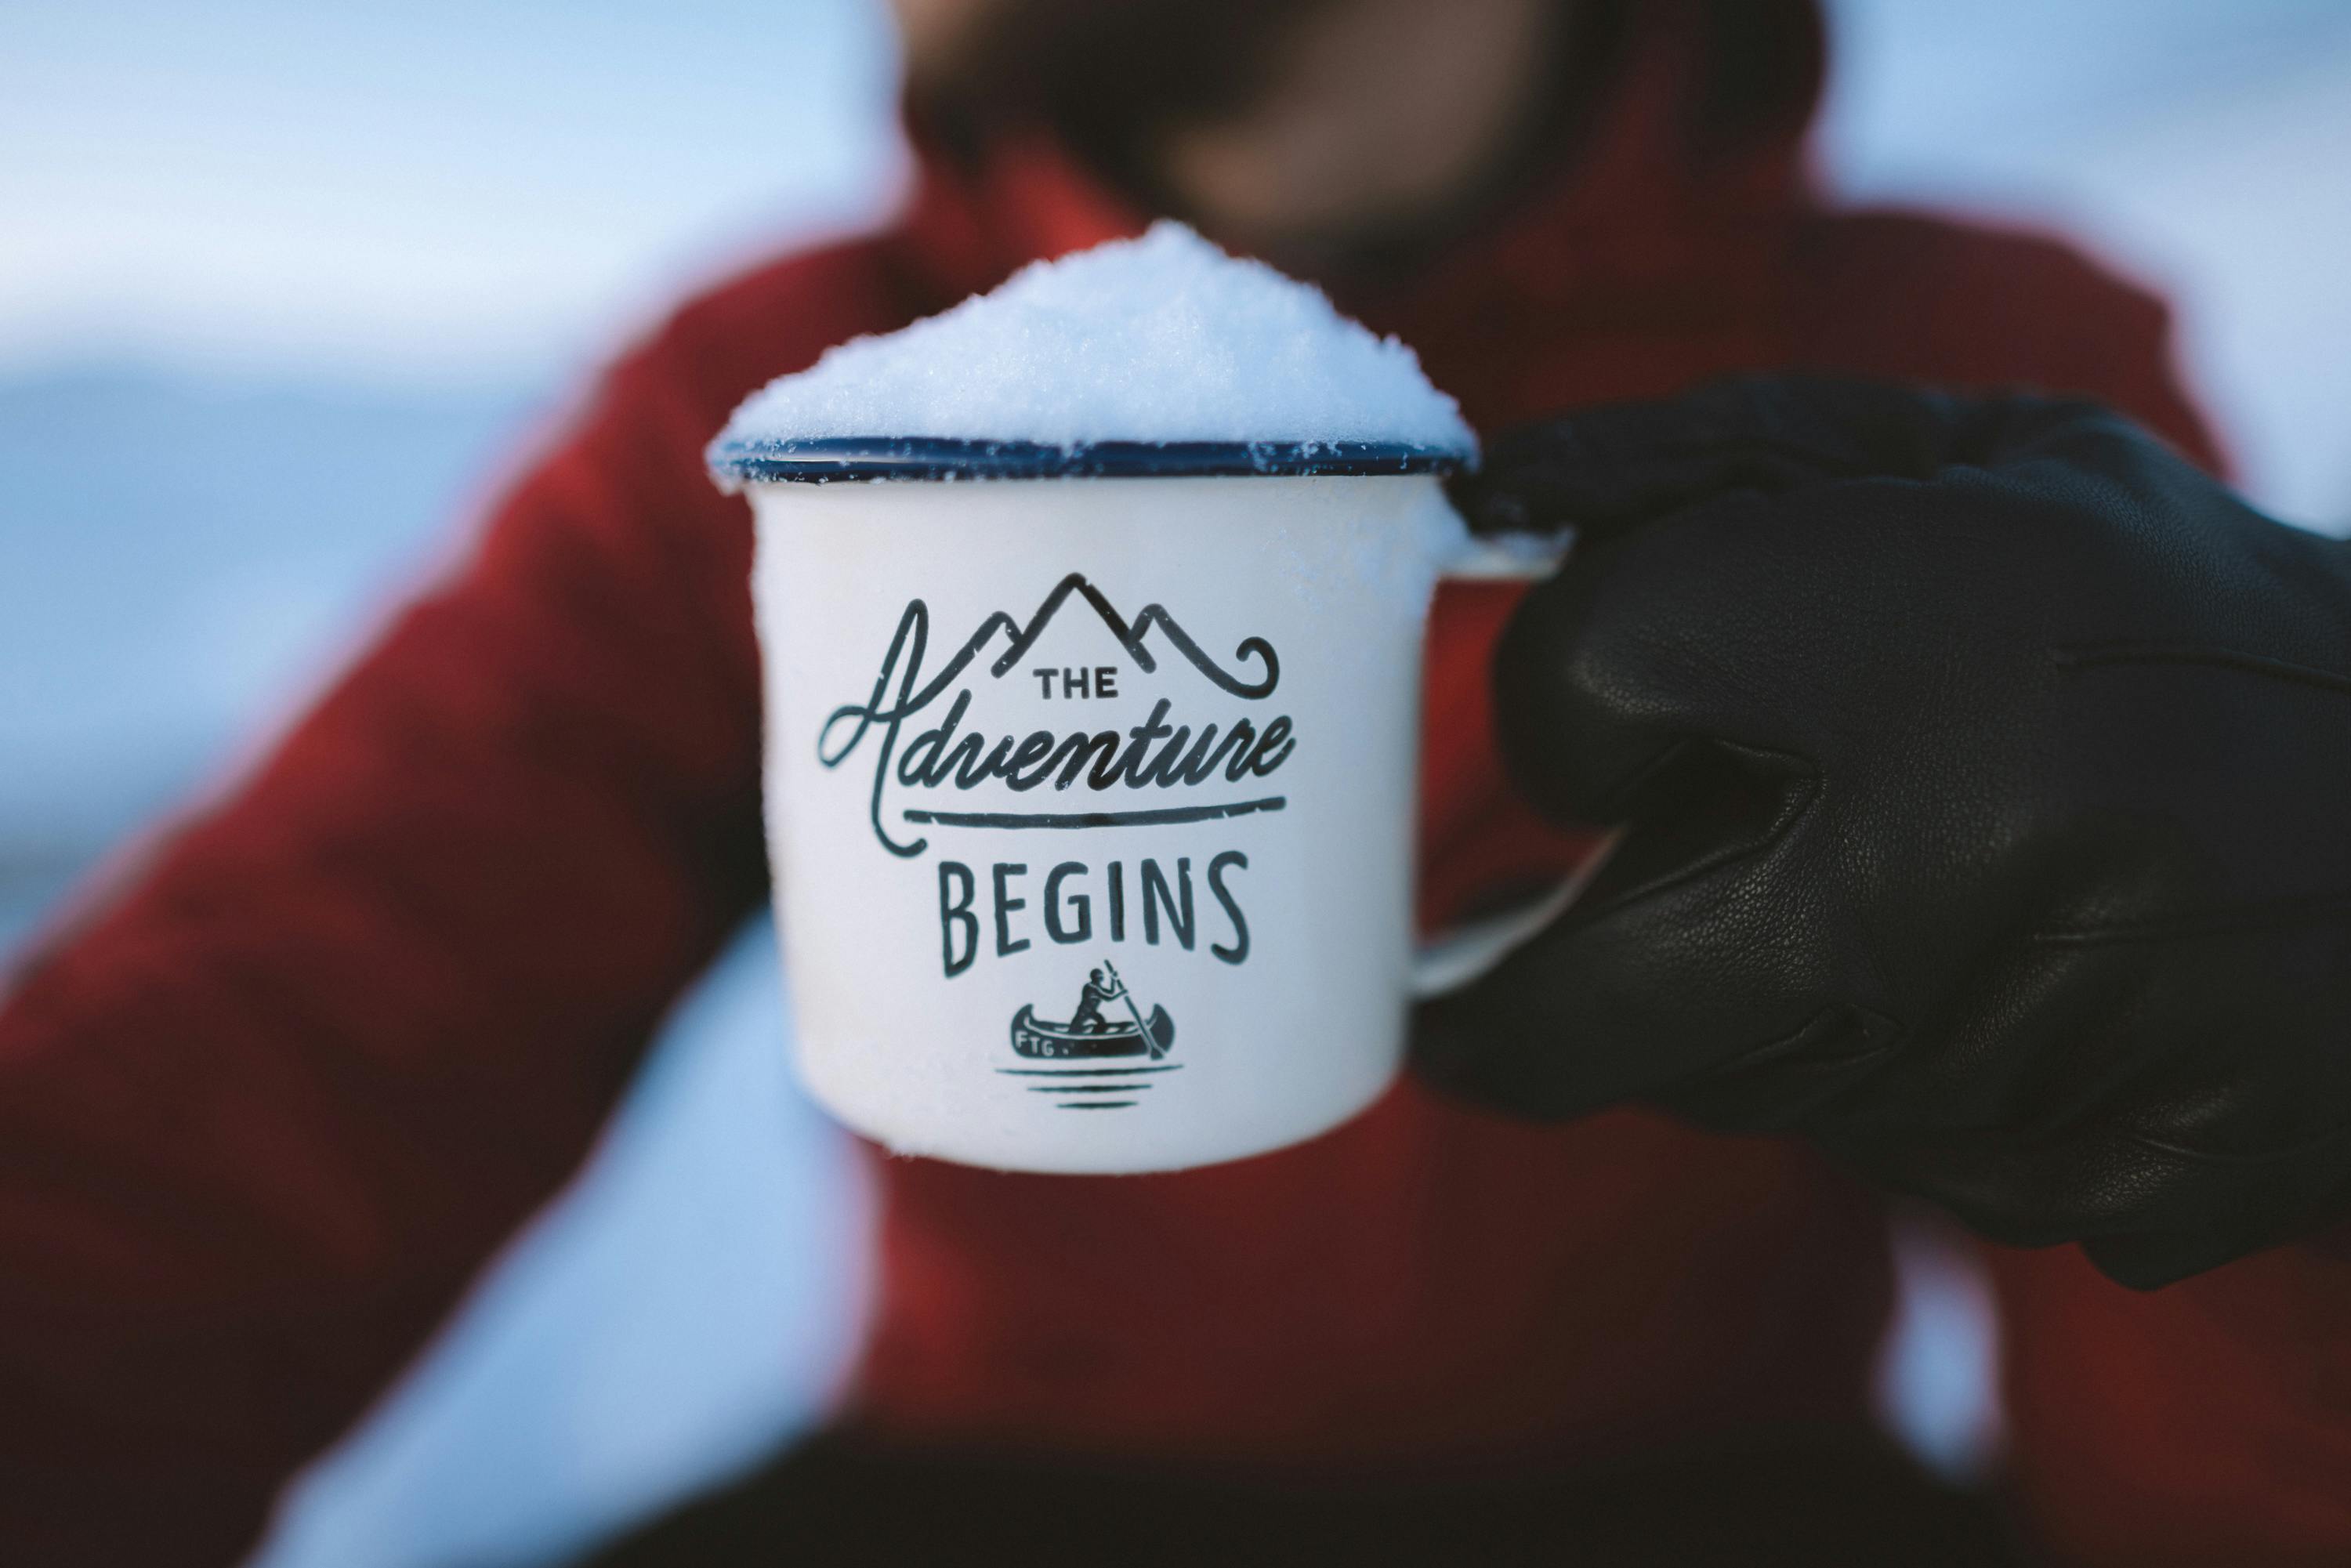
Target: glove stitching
(1888, 1033)
(2316, 909)
(2094, 655)
(1803, 794)
(1613, 797)
(2194, 1155)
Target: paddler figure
(1088, 1018)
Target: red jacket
(266, 1113)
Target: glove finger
(1688, 950)
(1608, 469)
(2147, 1212)
(2150, 1260)
(2012, 1193)
(2204, 1208)
(1609, 671)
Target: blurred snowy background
(285, 290)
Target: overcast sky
(428, 188)
(441, 190)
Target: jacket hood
(1707, 101)
(1660, 208)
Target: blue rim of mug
(816, 461)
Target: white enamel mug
(1090, 786)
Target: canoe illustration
(1035, 1037)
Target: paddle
(1150, 1042)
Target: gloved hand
(1986, 771)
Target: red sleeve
(263, 1117)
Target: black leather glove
(1987, 776)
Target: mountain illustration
(912, 639)
(1133, 636)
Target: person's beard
(1109, 78)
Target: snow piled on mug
(1160, 338)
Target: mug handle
(1452, 959)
